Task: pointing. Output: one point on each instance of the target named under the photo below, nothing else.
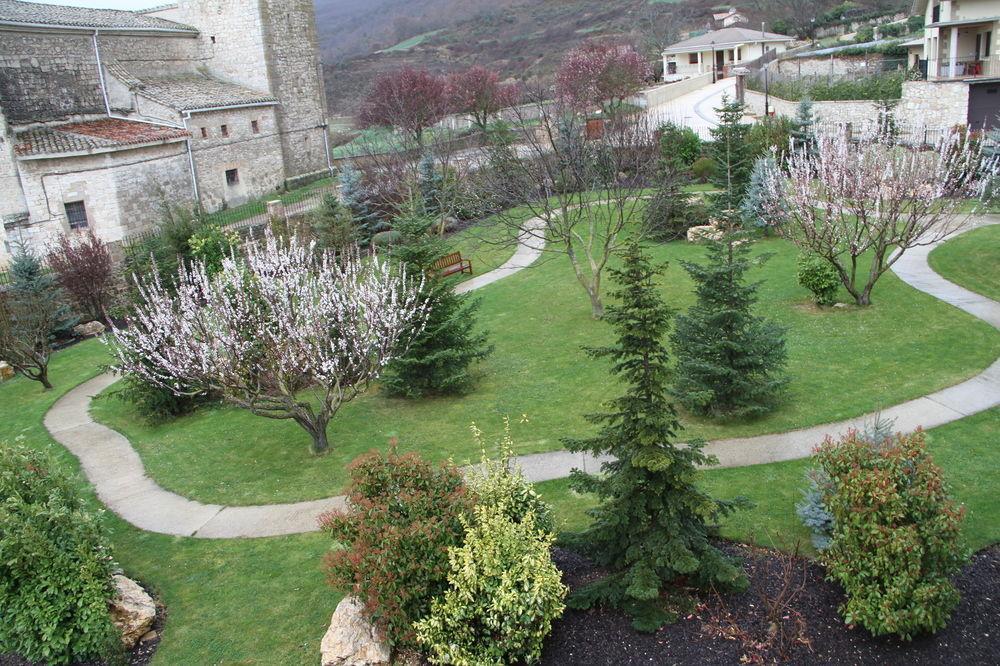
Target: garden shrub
(155, 403)
(211, 244)
(819, 277)
(403, 516)
(500, 484)
(703, 169)
(55, 566)
(680, 144)
(895, 540)
(504, 592)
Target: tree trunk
(320, 443)
(43, 377)
(596, 306)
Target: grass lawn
(264, 601)
(843, 363)
(972, 260)
(966, 450)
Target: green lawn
(843, 363)
(966, 450)
(972, 260)
(264, 601)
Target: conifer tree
(352, 196)
(804, 126)
(670, 213)
(756, 209)
(31, 282)
(733, 155)
(650, 526)
(439, 359)
(730, 362)
(332, 224)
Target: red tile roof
(95, 135)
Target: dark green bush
(895, 542)
(819, 277)
(55, 566)
(403, 516)
(681, 144)
(703, 169)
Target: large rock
(351, 639)
(132, 610)
(88, 330)
(6, 372)
(706, 232)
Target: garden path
(117, 472)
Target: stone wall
(935, 104)
(123, 191)
(859, 65)
(858, 112)
(256, 157)
(654, 97)
(12, 205)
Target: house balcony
(970, 67)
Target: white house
(719, 50)
(729, 18)
(961, 56)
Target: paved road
(117, 472)
(696, 109)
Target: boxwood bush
(819, 277)
(55, 566)
(504, 592)
(895, 541)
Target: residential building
(960, 46)
(107, 115)
(729, 18)
(719, 51)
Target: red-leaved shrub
(85, 269)
(404, 513)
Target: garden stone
(6, 372)
(840, 305)
(351, 639)
(132, 610)
(88, 330)
(705, 232)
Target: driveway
(696, 109)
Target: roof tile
(17, 11)
(107, 133)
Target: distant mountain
(522, 39)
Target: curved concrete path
(117, 472)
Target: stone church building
(107, 115)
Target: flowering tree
(478, 92)
(85, 270)
(846, 201)
(605, 73)
(408, 99)
(286, 333)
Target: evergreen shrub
(819, 277)
(55, 566)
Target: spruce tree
(650, 526)
(804, 126)
(332, 224)
(670, 213)
(732, 152)
(439, 359)
(730, 362)
(352, 196)
(32, 283)
(755, 210)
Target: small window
(76, 213)
(225, 130)
(232, 176)
(692, 58)
(255, 127)
(204, 132)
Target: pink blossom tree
(601, 73)
(411, 100)
(284, 332)
(478, 92)
(850, 200)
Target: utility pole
(714, 79)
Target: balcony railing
(963, 68)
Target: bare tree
(582, 193)
(286, 332)
(26, 323)
(846, 201)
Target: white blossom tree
(284, 332)
(848, 201)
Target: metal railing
(963, 68)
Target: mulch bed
(733, 629)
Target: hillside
(523, 39)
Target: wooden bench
(453, 263)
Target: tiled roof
(34, 13)
(725, 37)
(192, 91)
(95, 135)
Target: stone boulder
(6, 372)
(352, 640)
(132, 610)
(88, 330)
(706, 232)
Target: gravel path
(117, 472)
